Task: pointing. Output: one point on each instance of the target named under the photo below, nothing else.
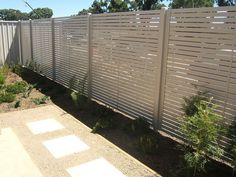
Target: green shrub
(148, 143)
(201, 131)
(41, 100)
(28, 90)
(6, 97)
(232, 148)
(18, 87)
(4, 70)
(2, 80)
(106, 119)
(189, 106)
(138, 127)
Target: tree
(226, 3)
(191, 3)
(12, 14)
(105, 6)
(41, 13)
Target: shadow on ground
(165, 162)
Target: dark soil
(166, 161)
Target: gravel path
(59, 145)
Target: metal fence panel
(201, 57)
(71, 52)
(9, 42)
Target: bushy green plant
(189, 106)
(232, 148)
(18, 87)
(41, 100)
(201, 131)
(106, 120)
(138, 127)
(6, 97)
(148, 143)
(2, 80)
(4, 70)
(28, 90)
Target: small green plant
(148, 143)
(41, 100)
(17, 104)
(2, 80)
(16, 88)
(78, 99)
(138, 127)
(106, 120)
(6, 97)
(201, 131)
(232, 148)
(28, 90)
(4, 70)
(189, 106)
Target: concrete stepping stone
(44, 126)
(64, 146)
(96, 168)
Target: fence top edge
(226, 8)
(3, 21)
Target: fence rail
(140, 63)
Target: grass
(41, 100)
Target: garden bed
(17, 94)
(166, 158)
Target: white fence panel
(201, 57)
(71, 52)
(126, 62)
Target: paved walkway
(48, 142)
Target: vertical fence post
(156, 120)
(164, 65)
(31, 40)
(20, 42)
(89, 26)
(3, 45)
(53, 50)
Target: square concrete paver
(96, 168)
(44, 126)
(66, 145)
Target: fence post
(3, 45)
(53, 50)
(156, 120)
(31, 40)
(89, 55)
(164, 65)
(20, 42)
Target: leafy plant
(4, 70)
(106, 120)
(41, 100)
(232, 148)
(189, 105)
(28, 90)
(18, 87)
(78, 99)
(148, 143)
(6, 97)
(2, 80)
(201, 131)
(138, 127)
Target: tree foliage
(226, 2)
(175, 4)
(105, 6)
(13, 14)
(41, 13)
